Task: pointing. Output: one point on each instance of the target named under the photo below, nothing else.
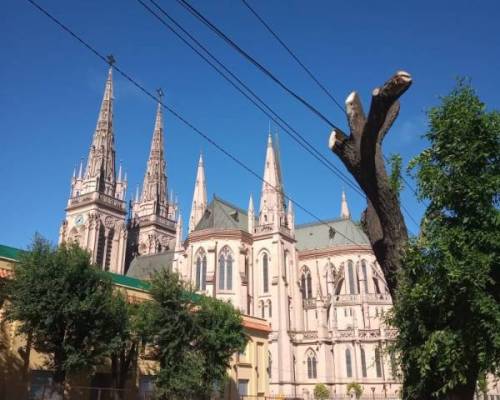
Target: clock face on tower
(79, 220)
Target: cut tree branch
(362, 155)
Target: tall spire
(101, 161)
(199, 196)
(251, 215)
(344, 208)
(272, 205)
(155, 180)
(178, 234)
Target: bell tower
(153, 222)
(96, 210)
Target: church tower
(199, 204)
(153, 226)
(95, 214)
(274, 269)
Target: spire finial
(344, 208)
(160, 94)
(110, 59)
(80, 171)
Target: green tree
(64, 304)
(219, 334)
(448, 304)
(355, 388)
(321, 392)
(133, 326)
(195, 338)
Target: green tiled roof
(130, 282)
(144, 267)
(318, 236)
(221, 214)
(9, 252)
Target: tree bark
(361, 153)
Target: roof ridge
(231, 205)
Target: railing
(264, 228)
(273, 397)
(96, 196)
(378, 298)
(347, 298)
(157, 219)
(309, 303)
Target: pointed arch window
(311, 365)
(377, 287)
(352, 283)
(348, 363)
(365, 274)
(262, 309)
(225, 269)
(269, 309)
(363, 362)
(306, 284)
(201, 271)
(378, 362)
(265, 273)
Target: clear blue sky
(51, 88)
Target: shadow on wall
(14, 365)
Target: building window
(363, 362)
(243, 387)
(262, 310)
(348, 363)
(365, 274)
(225, 269)
(352, 283)
(311, 365)
(378, 362)
(146, 386)
(201, 272)
(265, 273)
(306, 284)
(285, 264)
(269, 365)
(375, 283)
(269, 309)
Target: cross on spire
(110, 59)
(160, 95)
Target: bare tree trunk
(361, 153)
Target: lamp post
(373, 392)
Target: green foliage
(321, 392)
(65, 303)
(395, 178)
(448, 305)
(356, 388)
(195, 338)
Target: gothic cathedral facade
(317, 284)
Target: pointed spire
(272, 205)
(251, 216)
(74, 173)
(199, 196)
(344, 208)
(155, 179)
(101, 160)
(80, 171)
(290, 216)
(137, 194)
(178, 234)
(120, 172)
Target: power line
(221, 34)
(263, 106)
(311, 75)
(321, 86)
(179, 116)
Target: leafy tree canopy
(321, 392)
(65, 303)
(448, 305)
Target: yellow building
(23, 373)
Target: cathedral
(318, 284)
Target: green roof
(130, 282)
(220, 214)
(9, 252)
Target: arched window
(285, 264)
(306, 284)
(225, 269)
(378, 362)
(269, 308)
(262, 310)
(265, 273)
(363, 362)
(201, 271)
(365, 274)
(352, 283)
(311, 365)
(348, 363)
(269, 365)
(377, 287)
